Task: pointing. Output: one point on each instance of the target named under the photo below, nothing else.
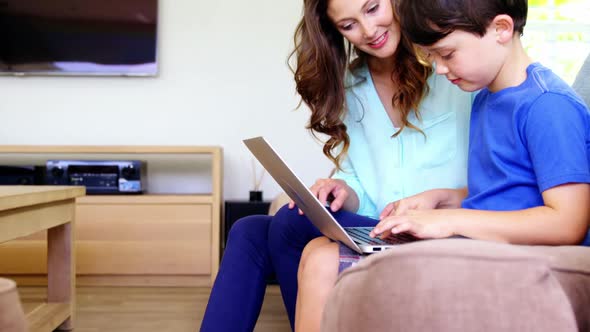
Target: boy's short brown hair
(427, 21)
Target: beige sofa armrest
(450, 285)
(571, 266)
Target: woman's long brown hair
(322, 57)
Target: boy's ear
(504, 28)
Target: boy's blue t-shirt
(524, 140)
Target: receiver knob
(128, 171)
(57, 171)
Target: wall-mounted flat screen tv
(78, 37)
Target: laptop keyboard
(361, 235)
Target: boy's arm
(562, 220)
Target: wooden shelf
(152, 238)
(147, 199)
(110, 149)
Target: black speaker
(22, 175)
(235, 210)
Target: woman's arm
(357, 198)
(562, 220)
(427, 200)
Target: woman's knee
(320, 262)
(284, 215)
(253, 229)
(288, 222)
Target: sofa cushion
(571, 266)
(582, 82)
(450, 285)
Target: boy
(528, 169)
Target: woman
(392, 128)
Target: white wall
(223, 77)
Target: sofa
(582, 82)
(466, 285)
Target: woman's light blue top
(383, 169)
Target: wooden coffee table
(25, 210)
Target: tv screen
(78, 37)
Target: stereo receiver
(99, 176)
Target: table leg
(61, 278)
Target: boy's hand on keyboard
(425, 224)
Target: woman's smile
(379, 42)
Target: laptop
(356, 238)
